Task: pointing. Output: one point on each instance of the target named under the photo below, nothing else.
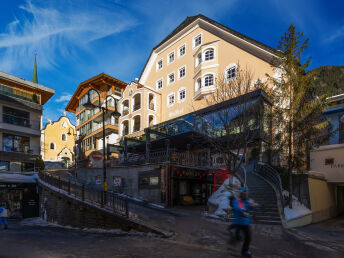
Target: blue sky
(77, 39)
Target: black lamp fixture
(89, 105)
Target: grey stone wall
(130, 176)
(58, 208)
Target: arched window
(137, 102)
(150, 120)
(198, 59)
(136, 123)
(52, 146)
(64, 137)
(125, 127)
(341, 129)
(125, 107)
(208, 80)
(209, 54)
(151, 101)
(199, 84)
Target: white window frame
(168, 78)
(168, 57)
(179, 78)
(154, 119)
(184, 45)
(168, 99)
(194, 38)
(228, 67)
(133, 123)
(203, 54)
(179, 99)
(154, 101)
(157, 83)
(133, 102)
(157, 64)
(121, 127)
(197, 88)
(203, 80)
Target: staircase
(263, 194)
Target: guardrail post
(126, 208)
(83, 192)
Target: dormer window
(198, 40)
(209, 54)
(171, 57)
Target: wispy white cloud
(64, 98)
(57, 30)
(336, 35)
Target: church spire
(34, 76)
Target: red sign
(96, 156)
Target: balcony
(201, 92)
(20, 124)
(12, 92)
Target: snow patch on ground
(17, 178)
(298, 210)
(221, 196)
(39, 222)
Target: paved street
(195, 237)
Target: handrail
(272, 176)
(108, 200)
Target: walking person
(242, 211)
(234, 226)
(3, 215)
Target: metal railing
(107, 200)
(272, 176)
(20, 121)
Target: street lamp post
(74, 149)
(89, 106)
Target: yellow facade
(58, 140)
(228, 51)
(322, 197)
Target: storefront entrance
(190, 187)
(21, 199)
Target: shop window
(149, 179)
(4, 165)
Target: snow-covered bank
(17, 178)
(298, 210)
(221, 197)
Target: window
(171, 78)
(170, 99)
(64, 137)
(209, 54)
(125, 127)
(136, 123)
(198, 40)
(199, 59)
(182, 50)
(182, 94)
(16, 143)
(199, 83)
(151, 101)
(52, 146)
(231, 73)
(170, 58)
(181, 73)
(16, 117)
(159, 84)
(125, 107)
(136, 102)
(208, 80)
(150, 179)
(4, 165)
(159, 65)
